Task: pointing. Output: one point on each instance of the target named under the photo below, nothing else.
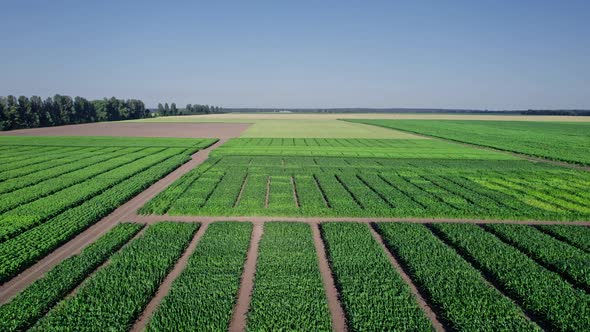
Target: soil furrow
(239, 318)
(338, 316)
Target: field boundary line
(149, 219)
(332, 296)
(125, 212)
(166, 285)
(428, 311)
(240, 312)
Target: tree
(166, 109)
(173, 109)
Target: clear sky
(496, 54)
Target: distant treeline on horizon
(34, 112)
(406, 110)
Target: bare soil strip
(338, 317)
(239, 318)
(244, 184)
(267, 193)
(125, 212)
(166, 285)
(295, 195)
(144, 129)
(148, 219)
(419, 298)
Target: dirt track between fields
(131, 129)
(125, 212)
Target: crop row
(461, 294)
(22, 251)
(51, 185)
(37, 299)
(72, 166)
(288, 291)
(576, 236)
(567, 260)
(49, 142)
(373, 295)
(220, 189)
(202, 298)
(37, 163)
(560, 305)
(113, 298)
(29, 215)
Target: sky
(484, 54)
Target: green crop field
(475, 277)
(567, 141)
(299, 225)
(433, 180)
(50, 192)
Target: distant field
(559, 141)
(332, 147)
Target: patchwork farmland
(301, 233)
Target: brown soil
(338, 317)
(188, 130)
(166, 285)
(239, 318)
(125, 212)
(419, 298)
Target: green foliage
(576, 236)
(288, 292)
(466, 301)
(107, 141)
(567, 141)
(20, 252)
(569, 261)
(373, 294)
(202, 298)
(113, 298)
(28, 306)
(538, 290)
(376, 187)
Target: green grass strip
(202, 298)
(113, 298)
(374, 296)
(32, 303)
(288, 291)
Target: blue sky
(440, 54)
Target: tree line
(165, 110)
(24, 112)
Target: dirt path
(149, 219)
(166, 285)
(419, 298)
(239, 318)
(125, 212)
(338, 317)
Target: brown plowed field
(133, 129)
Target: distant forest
(24, 112)
(166, 110)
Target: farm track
(122, 213)
(166, 285)
(239, 318)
